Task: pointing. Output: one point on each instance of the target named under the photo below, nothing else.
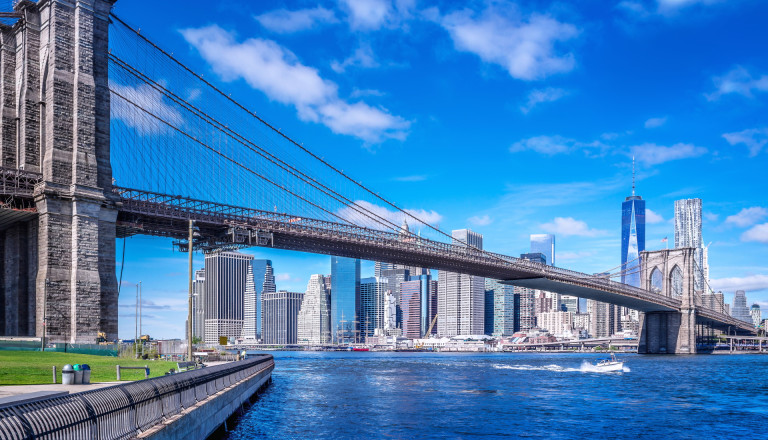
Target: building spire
(633, 176)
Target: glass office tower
(544, 244)
(632, 237)
(345, 299)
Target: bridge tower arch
(55, 121)
(669, 332)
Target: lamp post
(140, 316)
(189, 312)
(45, 299)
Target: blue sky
(510, 118)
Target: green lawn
(34, 367)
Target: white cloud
(567, 226)
(551, 145)
(652, 154)
(747, 283)
(524, 46)
(644, 10)
(709, 216)
(738, 81)
(148, 98)
(484, 220)
(651, 217)
(284, 21)
(538, 96)
(363, 57)
(747, 216)
(282, 277)
(366, 15)
(758, 233)
(754, 138)
(655, 122)
(573, 256)
(668, 6)
(425, 217)
(277, 72)
(414, 178)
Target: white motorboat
(610, 364)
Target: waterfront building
(411, 304)
(390, 309)
(314, 320)
(263, 281)
(249, 307)
(688, 234)
(281, 312)
(461, 297)
(569, 303)
(503, 310)
(544, 244)
(489, 309)
(756, 315)
(525, 316)
(739, 308)
(581, 322)
(558, 323)
(198, 305)
(604, 319)
(226, 273)
(394, 277)
(372, 292)
(632, 235)
(345, 300)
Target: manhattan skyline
(471, 140)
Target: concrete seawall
(202, 419)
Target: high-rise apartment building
(503, 307)
(604, 319)
(372, 291)
(226, 273)
(345, 300)
(688, 234)
(263, 281)
(314, 320)
(250, 307)
(461, 297)
(754, 311)
(198, 305)
(281, 312)
(569, 303)
(739, 309)
(558, 323)
(632, 235)
(544, 244)
(426, 289)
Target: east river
(337, 395)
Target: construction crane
(429, 330)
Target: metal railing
(123, 411)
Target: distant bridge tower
(55, 121)
(669, 272)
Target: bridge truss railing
(18, 183)
(123, 411)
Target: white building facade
(314, 321)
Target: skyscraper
(225, 278)
(372, 291)
(250, 306)
(544, 244)
(756, 315)
(263, 280)
(345, 299)
(739, 309)
(503, 307)
(461, 297)
(314, 320)
(198, 305)
(394, 277)
(411, 304)
(688, 234)
(632, 235)
(281, 311)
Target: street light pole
(189, 312)
(45, 298)
(140, 316)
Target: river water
(334, 395)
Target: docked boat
(610, 364)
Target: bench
(145, 368)
(186, 366)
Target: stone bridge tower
(669, 272)
(55, 121)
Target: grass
(34, 367)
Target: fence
(123, 411)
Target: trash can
(67, 375)
(86, 373)
(78, 374)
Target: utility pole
(189, 312)
(140, 316)
(136, 325)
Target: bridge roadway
(226, 226)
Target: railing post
(118, 372)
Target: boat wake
(585, 367)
